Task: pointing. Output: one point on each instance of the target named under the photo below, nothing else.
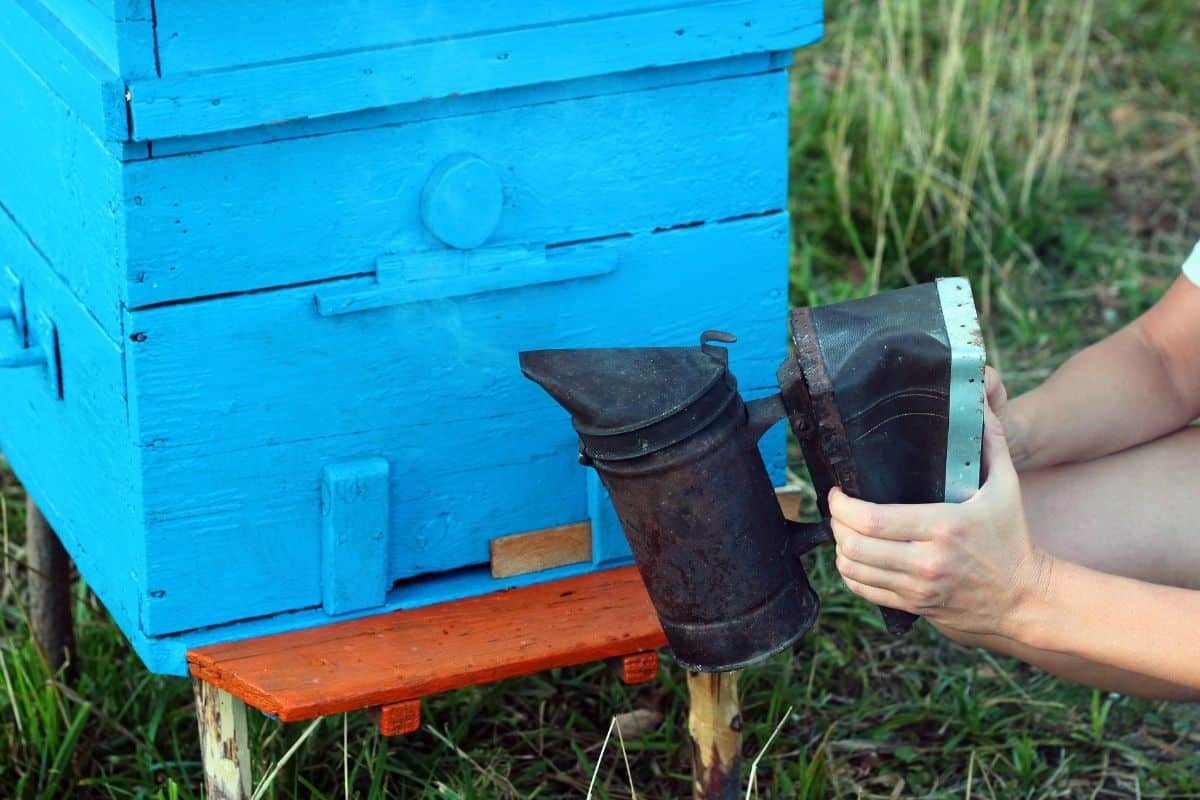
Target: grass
(1049, 150)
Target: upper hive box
(265, 268)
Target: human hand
(968, 566)
(1015, 425)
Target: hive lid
(627, 402)
(225, 68)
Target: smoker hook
(716, 336)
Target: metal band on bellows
(964, 438)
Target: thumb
(996, 393)
(997, 460)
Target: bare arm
(1077, 669)
(974, 570)
(1137, 385)
(973, 567)
(1129, 625)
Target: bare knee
(1124, 514)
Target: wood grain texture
(222, 34)
(273, 92)
(790, 500)
(450, 274)
(523, 553)
(469, 105)
(120, 33)
(234, 422)
(715, 727)
(168, 654)
(75, 455)
(637, 668)
(397, 719)
(85, 83)
(50, 594)
(63, 187)
(204, 396)
(411, 654)
(224, 743)
(330, 206)
(354, 512)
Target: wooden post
(715, 725)
(224, 746)
(49, 593)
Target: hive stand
(384, 665)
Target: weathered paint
(119, 33)
(61, 186)
(224, 742)
(337, 83)
(388, 658)
(354, 515)
(203, 395)
(75, 454)
(462, 105)
(248, 419)
(88, 84)
(330, 206)
(197, 35)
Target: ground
(1049, 150)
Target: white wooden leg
(223, 742)
(715, 725)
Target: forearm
(1129, 625)
(1114, 395)
(1079, 670)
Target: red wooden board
(405, 655)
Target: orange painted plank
(406, 655)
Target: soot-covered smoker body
(677, 449)
(886, 397)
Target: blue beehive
(265, 268)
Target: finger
(882, 553)
(880, 597)
(901, 523)
(867, 575)
(997, 395)
(997, 460)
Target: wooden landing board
(406, 655)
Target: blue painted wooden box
(265, 268)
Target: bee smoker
(885, 395)
(677, 448)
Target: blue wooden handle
(444, 274)
(29, 357)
